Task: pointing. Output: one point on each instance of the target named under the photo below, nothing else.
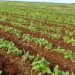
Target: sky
(57, 1)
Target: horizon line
(36, 1)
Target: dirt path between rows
(56, 42)
(53, 57)
(8, 66)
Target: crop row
(26, 31)
(52, 57)
(52, 14)
(21, 18)
(48, 31)
(55, 32)
(41, 38)
(41, 42)
(19, 63)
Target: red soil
(53, 57)
(56, 42)
(7, 66)
(10, 65)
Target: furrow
(53, 57)
(56, 42)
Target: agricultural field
(37, 38)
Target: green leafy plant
(9, 47)
(41, 65)
(56, 71)
(26, 56)
(69, 40)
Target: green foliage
(39, 13)
(9, 47)
(40, 64)
(57, 36)
(27, 56)
(12, 30)
(42, 42)
(68, 54)
(69, 40)
(56, 71)
(32, 27)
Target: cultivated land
(37, 38)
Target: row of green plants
(38, 28)
(53, 35)
(38, 63)
(69, 40)
(9, 47)
(54, 32)
(41, 65)
(23, 19)
(68, 54)
(55, 15)
(52, 14)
